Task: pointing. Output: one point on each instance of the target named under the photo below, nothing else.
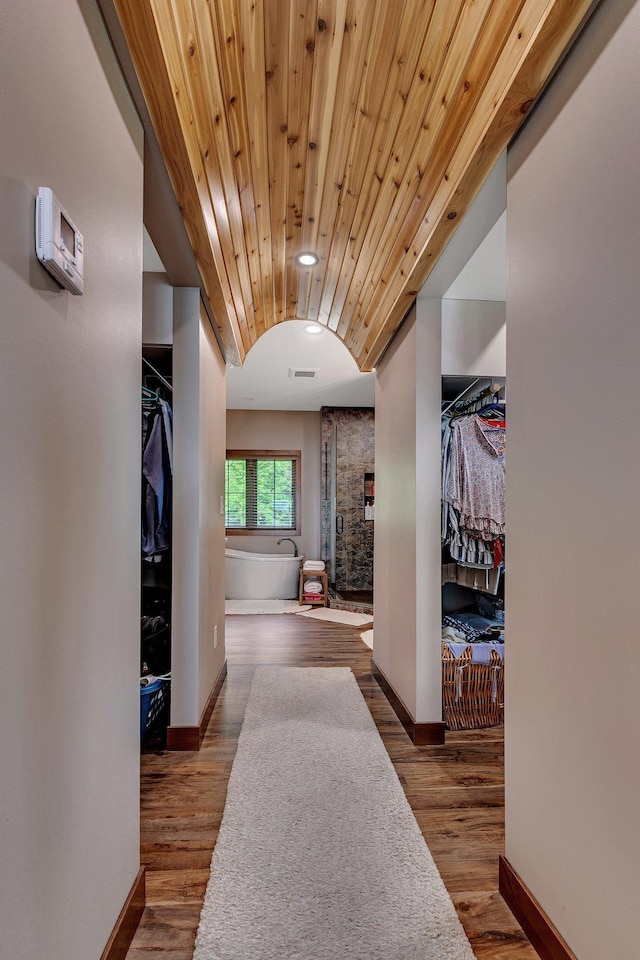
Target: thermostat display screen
(67, 235)
(59, 243)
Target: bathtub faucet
(295, 545)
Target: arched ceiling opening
(291, 369)
(359, 129)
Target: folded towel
(313, 586)
(313, 565)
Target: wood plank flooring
(456, 792)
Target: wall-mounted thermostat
(59, 243)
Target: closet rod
(158, 375)
(492, 390)
(460, 396)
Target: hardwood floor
(456, 792)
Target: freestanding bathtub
(260, 576)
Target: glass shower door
(353, 525)
(347, 500)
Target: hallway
(456, 793)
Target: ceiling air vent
(297, 373)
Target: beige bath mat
(339, 616)
(234, 607)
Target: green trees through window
(235, 493)
(261, 491)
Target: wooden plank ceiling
(357, 129)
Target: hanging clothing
(157, 458)
(167, 419)
(476, 576)
(473, 489)
(476, 477)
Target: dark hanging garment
(156, 480)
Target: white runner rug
(319, 856)
(235, 607)
(339, 616)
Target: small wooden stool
(319, 599)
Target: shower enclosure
(348, 501)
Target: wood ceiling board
(303, 32)
(225, 35)
(368, 170)
(392, 168)
(324, 86)
(361, 129)
(404, 196)
(473, 103)
(385, 26)
(556, 30)
(195, 54)
(252, 41)
(142, 36)
(182, 53)
(355, 45)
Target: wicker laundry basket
(472, 693)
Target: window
(262, 491)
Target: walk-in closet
(473, 429)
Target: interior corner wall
(474, 338)
(70, 481)
(572, 704)
(283, 430)
(407, 531)
(213, 449)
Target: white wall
(470, 235)
(573, 708)
(474, 341)
(394, 575)
(157, 309)
(198, 527)
(70, 482)
(428, 512)
(407, 531)
(484, 276)
(282, 430)
(185, 559)
(212, 530)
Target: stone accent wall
(356, 456)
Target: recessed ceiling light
(306, 259)
(314, 328)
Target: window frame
(294, 455)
